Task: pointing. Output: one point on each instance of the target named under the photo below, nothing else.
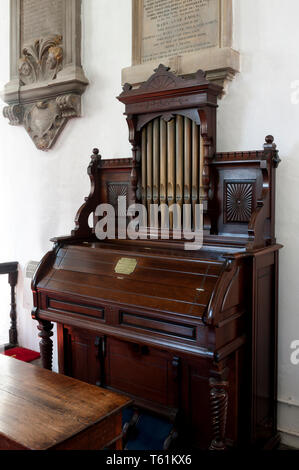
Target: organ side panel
(264, 352)
(80, 354)
(148, 374)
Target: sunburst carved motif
(116, 190)
(162, 82)
(239, 202)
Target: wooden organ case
(190, 335)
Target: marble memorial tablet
(40, 18)
(172, 27)
(185, 35)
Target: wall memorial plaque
(46, 76)
(191, 26)
(185, 35)
(49, 15)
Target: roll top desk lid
(150, 279)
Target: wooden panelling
(166, 328)
(140, 371)
(81, 309)
(83, 355)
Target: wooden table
(41, 410)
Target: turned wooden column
(46, 344)
(135, 174)
(13, 333)
(12, 270)
(219, 406)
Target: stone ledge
(221, 65)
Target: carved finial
(270, 146)
(127, 87)
(269, 139)
(96, 157)
(269, 142)
(162, 68)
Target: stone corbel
(45, 120)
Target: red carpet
(22, 354)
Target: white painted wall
(41, 192)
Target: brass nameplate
(126, 266)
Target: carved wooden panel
(239, 201)
(83, 358)
(116, 190)
(143, 372)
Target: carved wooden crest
(163, 79)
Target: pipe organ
(188, 335)
(171, 160)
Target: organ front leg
(46, 344)
(219, 406)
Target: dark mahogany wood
(12, 270)
(164, 94)
(219, 409)
(47, 411)
(189, 335)
(46, 343)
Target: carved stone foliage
(239, 202)
(41, 61)
(14, 114)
